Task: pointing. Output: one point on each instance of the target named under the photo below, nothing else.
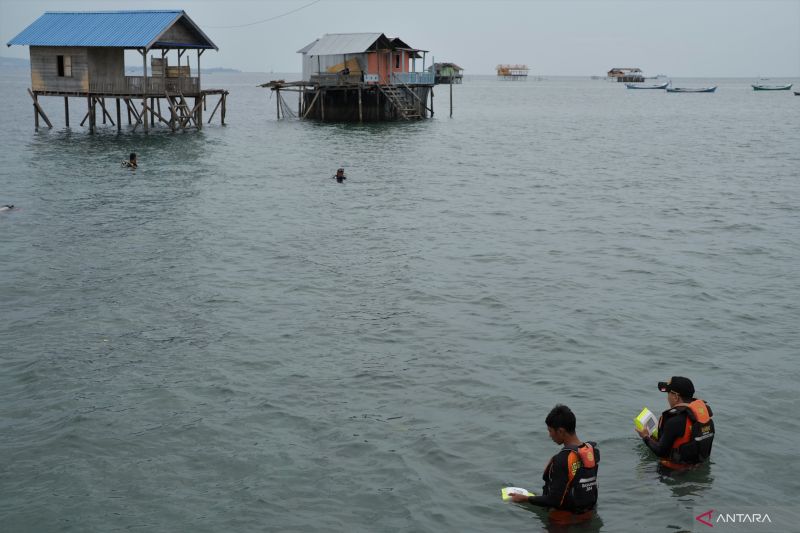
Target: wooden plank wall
(44, 69)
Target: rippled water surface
(228, 340)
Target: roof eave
(193, 25)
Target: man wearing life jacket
(570, 478)
(685, 430)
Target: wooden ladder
(398, 99)
(181, 112)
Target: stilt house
(447, 73)
(82, 55)
(358, 77)
(627, 74)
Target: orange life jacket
(581, 495)
(694, 446)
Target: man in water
(570, 478)
(340, 177)
(685, 430)
(131, 162)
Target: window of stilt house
(397, 61)
(64, 66)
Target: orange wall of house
(377, 64)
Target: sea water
(227, 339)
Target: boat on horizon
(637, 86)
(761, 87)
(691, 89)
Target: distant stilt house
(82, 55)
(446, 73)
(355, 77)
(512, 72)
(626, 74)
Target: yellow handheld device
(506, 493)
(647, 419)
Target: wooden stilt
(102, 102)
(119, 120)
(278, 102)
(199, 104)
(322, 105)
(360, 113)
(215, 109)
(66, 111)
(144, 89)
(91, 114)
(37, 109)
(311, 105)
(128, 106)
(152, 107)
(222, 111)
(451, 97)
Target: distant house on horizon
(512, 72)
(627, 74)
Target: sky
(679, 38)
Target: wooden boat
(635, 86)
(757, 87)
(691, 89)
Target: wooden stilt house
(82, 55)
(354, 77)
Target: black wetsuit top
(673, 426)
(554, 493)
(673, 429)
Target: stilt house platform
(512, 72)
(82, 55)
(626, 74)
(359, 77)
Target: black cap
(681, 385)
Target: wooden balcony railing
(155, 86)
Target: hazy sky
(705, 38)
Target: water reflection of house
(82, 55)
(627, 74)
(360, 76)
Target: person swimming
(7, 207)
(340, 177)
(131, 162)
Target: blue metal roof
(115, 29)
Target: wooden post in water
(91, 118)
(35, 113)
(278, 102)
(360, 115)
(222, 111)
(152, 116)
(128, 107)
(66, 111)
(144, 89)
(451, 96)
(199, 104)
(322, 104)
(119, 120)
